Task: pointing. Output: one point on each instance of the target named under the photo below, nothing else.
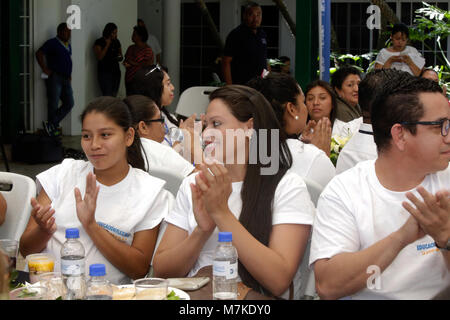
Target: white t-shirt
(355, 211)
(415, 55)
(310, 162)
(154, 44)
(359, 148)
(291, 205)
(161, 156)
(136, 203)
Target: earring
(296, 117)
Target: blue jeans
(58, 87)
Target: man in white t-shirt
(374, 237)
(362, 146)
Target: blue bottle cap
(225, 237)
(72, 233)
(97, 270)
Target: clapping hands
(86, 206)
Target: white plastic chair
(173, 180)
(194, 100)
(18, 204)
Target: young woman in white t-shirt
(269, 213)
(399, 55)
(148, 121)
(116, 206)
(288, 102)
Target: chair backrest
(314, 190)
(18, 204)
(173, 180)
(194, 100)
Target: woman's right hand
(318, 134)
(204, 222)
(43, 216)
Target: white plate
(182, 294)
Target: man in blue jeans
(55, 60)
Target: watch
(447, 246)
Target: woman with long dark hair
(108, 52)
(116, 206)
(288, 102)
(266, 207)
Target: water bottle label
(225, 269)
(72, 267)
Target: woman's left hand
(86, 207)
(216, 188)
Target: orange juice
(39, 264)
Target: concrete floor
(31, 171)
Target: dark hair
(150, 84)
(398, 102)
(278, 89)
(424, 70)
(341, 74)
(373, 82)
(142, 33)
(400, 27)
(109, 29)
(61, 27)
(284, 59)
(325, 85)
(249, 5)
(142, 108)
(116, 110)
(258, 190)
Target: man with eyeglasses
(382, 229)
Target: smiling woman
(103, 197)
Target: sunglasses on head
(158, 67)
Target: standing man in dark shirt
(108, 51)
(245, 53)
(55, 60)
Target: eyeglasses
(155, 120)
(158, 67)
(444, 123)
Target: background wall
(95, 14)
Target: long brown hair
(258, 190)
(116, 110)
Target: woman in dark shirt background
(108, 51)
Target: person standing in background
(153, 43)
(245, 55)
(108, 52)
(138, 55)
(55, 60)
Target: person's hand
(308, 132)
(126, 64)
(318, 134)
(393, 59)
(47, 71)
(322, 135)
(43, 216)
(215, 185)
(189, 122)
(406, 59)
(410, 231)
(432, 214)
(204, 221)
(86, 207)
(108, 41)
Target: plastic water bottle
(98, 288)
(225, 269)
(72, 265)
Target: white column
(171, 43)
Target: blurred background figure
(153, 43)
(138, 55)
(108, 52)
(431, 74)
(285, 67)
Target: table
(204, 293)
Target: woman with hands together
(269, 212)
(116, 206)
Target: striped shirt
(136, 54)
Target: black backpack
(37, 148)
